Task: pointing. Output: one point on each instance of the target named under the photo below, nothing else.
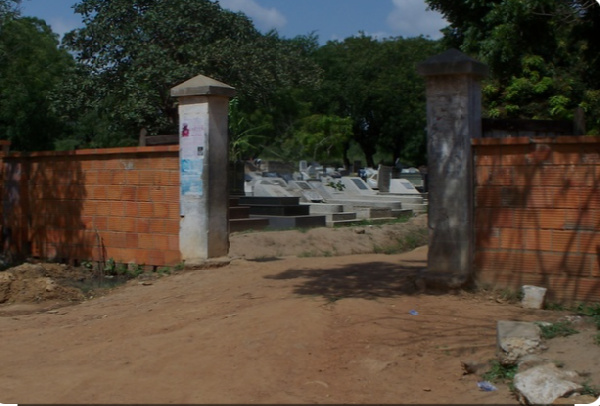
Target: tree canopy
(296, 99)
(543, 54)
(132, 53)
(30, 67)
(375, 85)
(8, 9)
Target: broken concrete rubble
(516, 339)
(545, 383)
(538, 381)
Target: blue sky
(329, 19)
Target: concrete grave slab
(403, 186)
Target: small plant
(134, 270)
(121, 269)
(555, 307)
(500, 373)
(510, 295)
(164, 270)
(307, 254)
(560, 329)
(339, 186)
(404, 243)
(590, 390)
(87, 265)
(592, 311)
(110, 266)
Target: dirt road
(262, 330)
(293, 330)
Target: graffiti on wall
(193, 129)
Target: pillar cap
(452, 62)
(202, 86)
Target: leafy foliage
(296, 100)
(558, 329)
(543, 54)
(30, 68)
(131, 53)
(375, 85)
(9, 9)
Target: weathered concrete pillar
(204, 146)
(453, 117)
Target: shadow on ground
(366, 280)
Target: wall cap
(96, 152)
(563, 139)
(202, 86)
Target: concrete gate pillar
(203, 155)
(453, 92)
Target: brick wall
(120, 203)
(537, 214)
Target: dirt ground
(279, 324)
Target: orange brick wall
(94, 205)
(537, 214)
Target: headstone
(270, 188)
(306, 191)
(403, 186)
(384, 175)
(355, 186)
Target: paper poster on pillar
(192, 144)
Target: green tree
(9, 9)
(375, 84)
(133, 52)
(321, 138)
(30, 68)
(543, 54)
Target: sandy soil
(269, 328)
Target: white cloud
(264, 18)
(411, 18)
(61, 26)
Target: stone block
(543, 384)
(533, 297)
(516, 339)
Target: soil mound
(34, 283)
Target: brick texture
(537, 214)
(93, 205)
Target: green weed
(559, 329)
(164, 270)
(500, 373)
(590, 390)
(555, 307)
(403, 244)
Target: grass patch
(558, 307)
(375, 222)
(590, 310)
(560, 329)
(589, 389)
(500, 373)
(405, 243)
